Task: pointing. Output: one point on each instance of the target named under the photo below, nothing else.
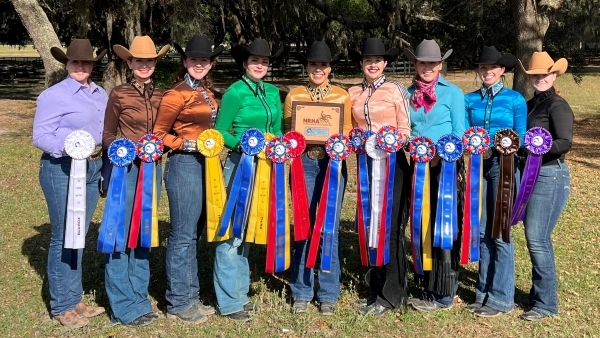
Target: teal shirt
(248, 104)
(497, 109)
(446, 117)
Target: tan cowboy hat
(542, 63)
(79, 49)
(142, 47)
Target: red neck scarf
(424, 94)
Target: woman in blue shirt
(436, 109)
(494, 107)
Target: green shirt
(248, 104)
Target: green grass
(24, 237)
(18, 51)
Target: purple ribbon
(538, 141)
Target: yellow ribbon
(210, 143)
(154, 233)
(258, 219)
(426, 231)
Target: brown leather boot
(88, 311)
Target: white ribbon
(378, 169)
(79, 145)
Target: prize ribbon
(378, 167)
(538, 141)
(363, 210)
(449, 148)
(422, 150)
(258, 219)
(300, 196)
(476, 141)
(338, 147)
(506, 142)
(111, 238)
(278, 243)
(79, 145)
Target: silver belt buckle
(316, 152)
(97, 153)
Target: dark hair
(207, 78)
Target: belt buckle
(97, 153)
(316, 152)
(488, 153)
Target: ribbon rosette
(278, 243)
(251, 143)
(506, 141)
(476, 141)
(449, 147)
(297, 144)
(422, 150)
(111, 238)
(79, 145)
(358, 137)
(258, 219)
(538, 141)
(338, 147)
(210, 143)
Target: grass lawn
(25, 232)
(18, 51)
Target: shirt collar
(491, 90)
(256, 87)
(194, 83)
(142, 88)
(318, 92)
(75, 86)
(376, 84)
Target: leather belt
(316, 152)
(97, 153)
(554, 162)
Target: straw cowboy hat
(79, 49)
(259, 47)
(373, 47)
(427, 50)
(542, 63)
(199, 46)
(142, 47)
(317, 52)
(491, 56)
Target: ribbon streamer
(111, 238)
(363, 210)
(300, 196)
(506, 142)
(538, 141)
(258, 219)
(475, 141)
(79, 145)
(422, 150)
(378, 168)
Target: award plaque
(317, 121)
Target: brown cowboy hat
(79, 49)
(142, 47)
(542, 63)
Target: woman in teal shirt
(436, 108)
(247, 103)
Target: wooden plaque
(317, 120)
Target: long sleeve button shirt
(65, 107)
(324, 93)
(447, 115)
(131, 110)
(248, 104)
(183, 114)
(383, 102)
(494, 109)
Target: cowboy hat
(199, 46)
(491, 56)
(427, 50)
(142, 47)
(317, 52)
(79, 49)
(259, 47)
(542, 63)
(373, 47)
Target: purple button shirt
(64, 107)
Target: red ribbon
(299, 200)
(316, 235)
(271, 233)
(136, 216)
(466, 230)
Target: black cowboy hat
(373, 47)
(427, 50)
(79, 49)
(259, 47)
(491, 56)
(317, 52)
(199, 46)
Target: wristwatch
(190, 146)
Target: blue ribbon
(448, 205)
(246, 172)
(418, 185)
(280, 206)
(437, 227)
(390, 198)
(335, 173)
(146, 219)
(475, 172)
(229, 206)
(363, 173)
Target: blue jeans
(547, 202)
(495, 286)
(127, 273)
(64, 265)
(184, 180)
(231, 269)
(302, 279)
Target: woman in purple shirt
(75, 103)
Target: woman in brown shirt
(131, 111)
(186, 110)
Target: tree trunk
(43, 35)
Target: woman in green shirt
(247, 103)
